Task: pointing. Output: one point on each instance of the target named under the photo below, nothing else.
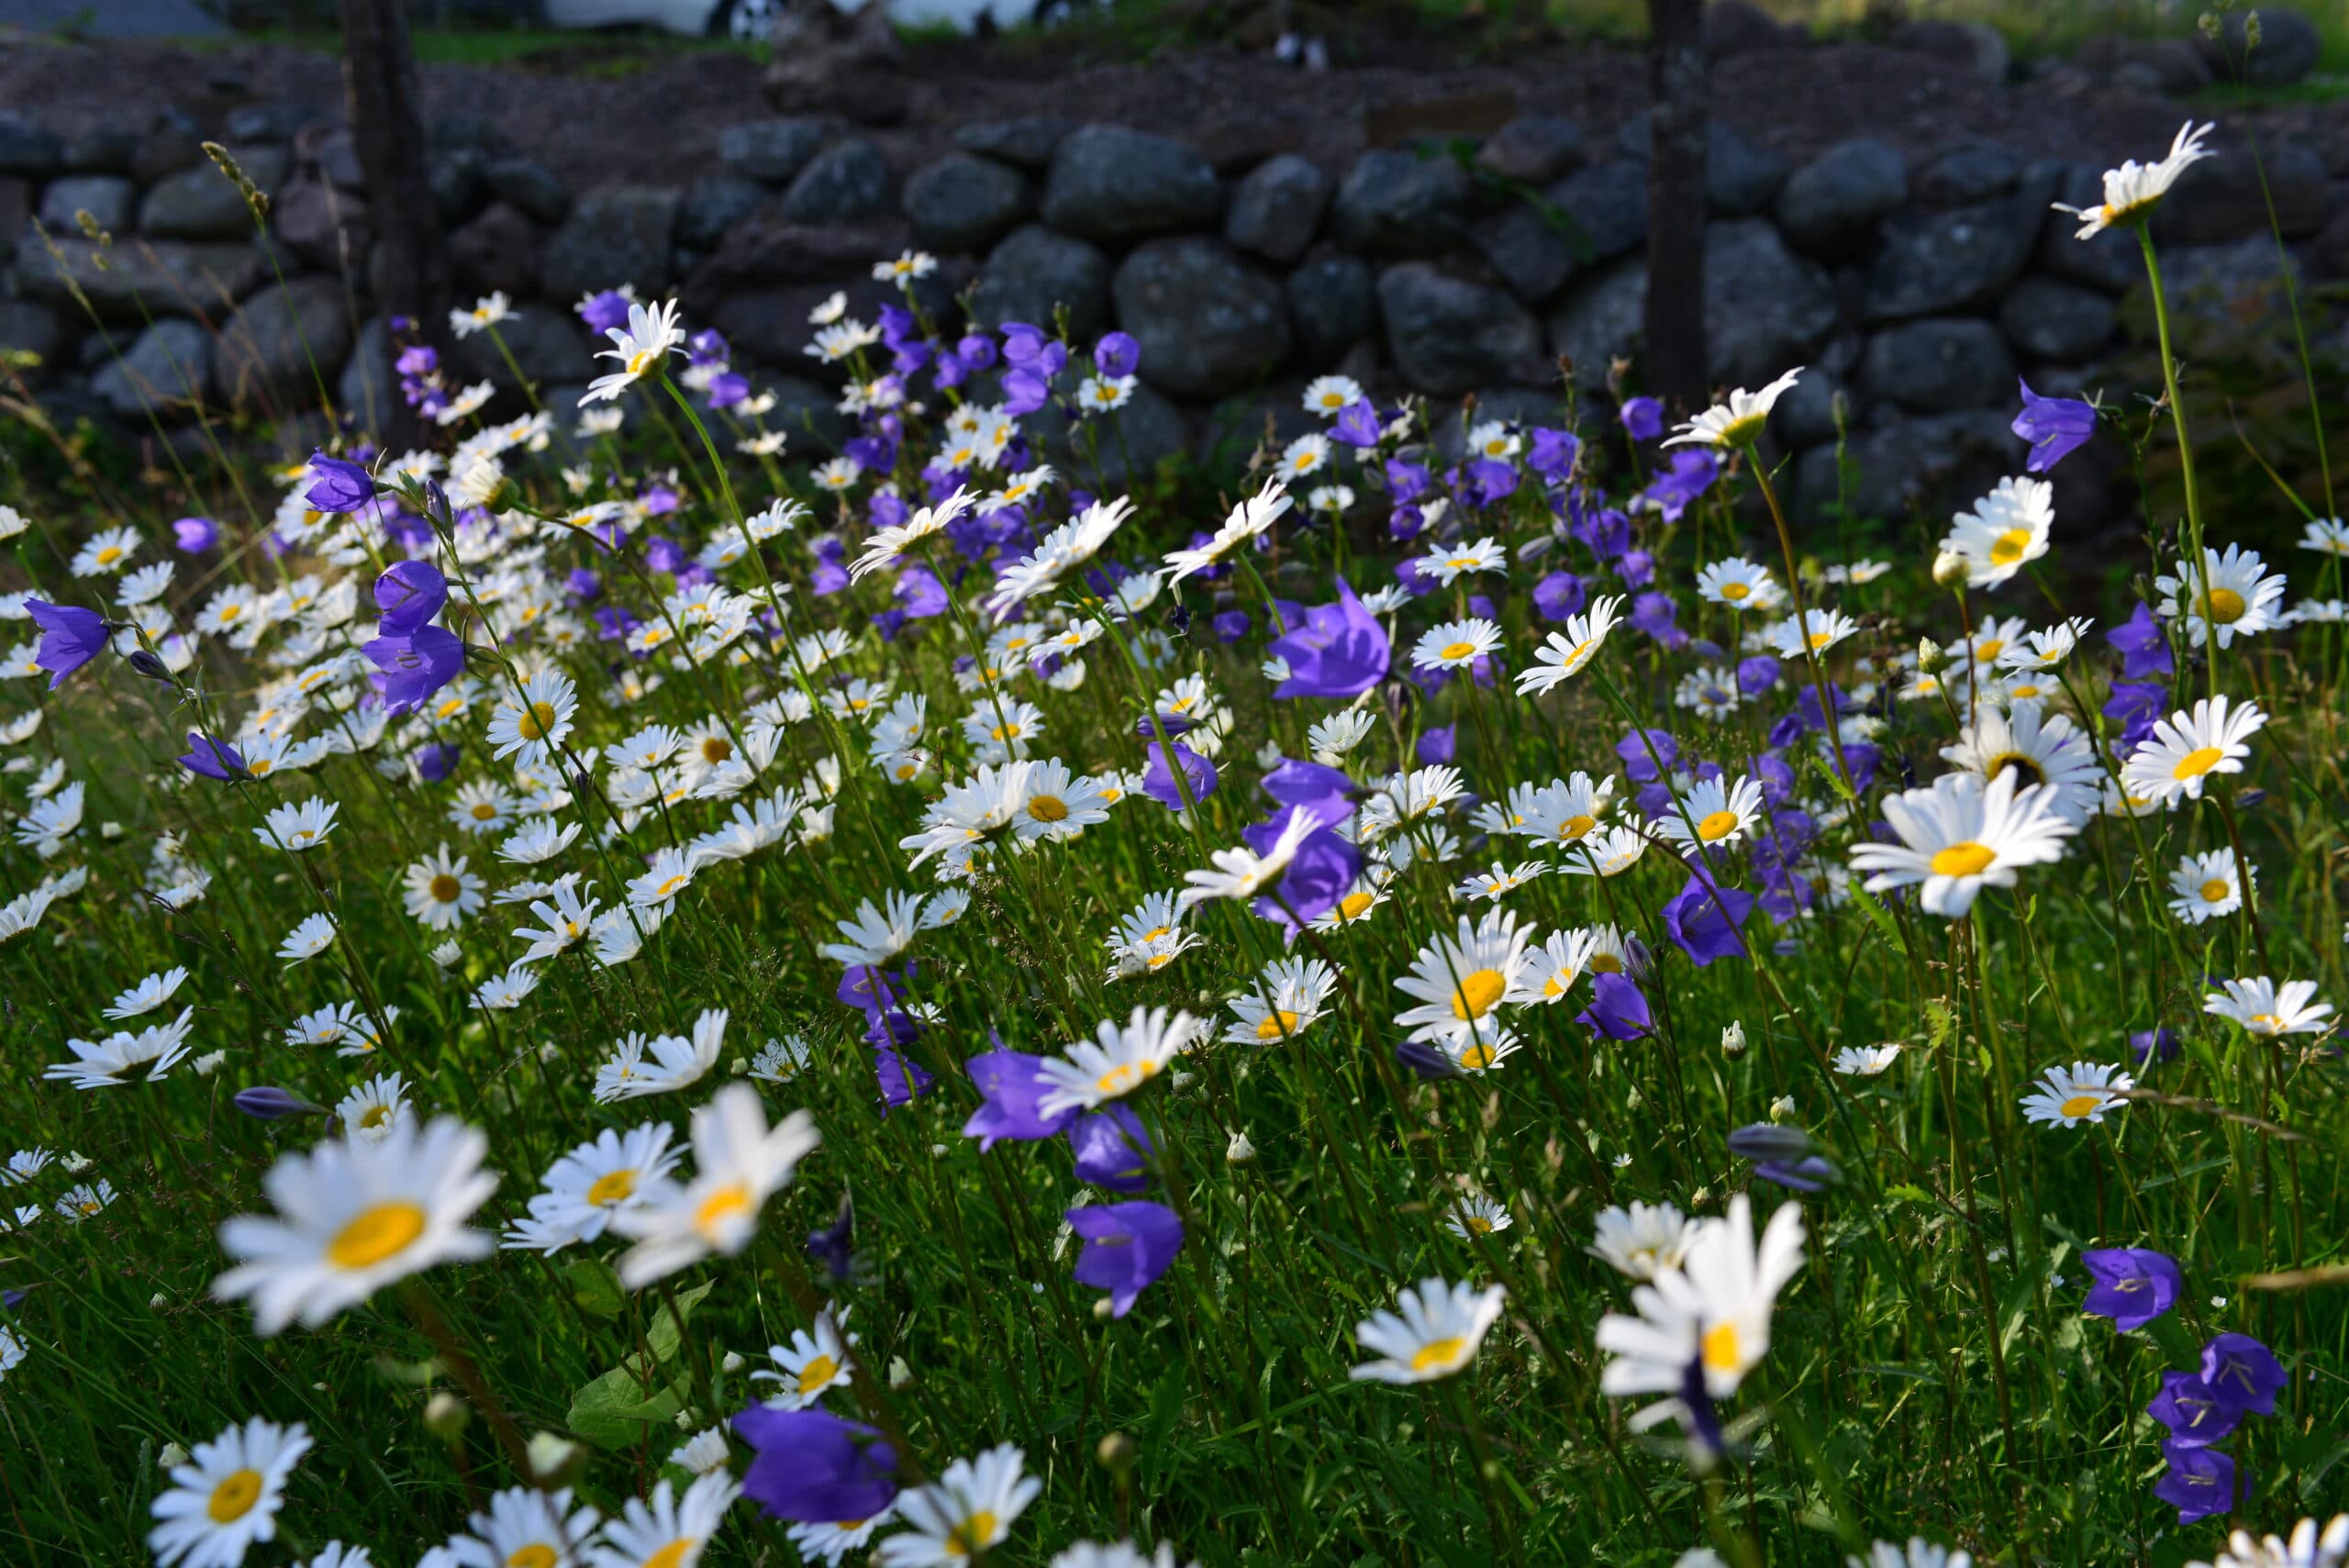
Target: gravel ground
(661, 123)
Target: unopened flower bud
(159, 1301)
(1765, 1141)
(1239, 1151)
(267, 1103)
(552, 1455)
(732, 1362)
(1949, 569)
(1931, 657)
(1115, 1451)
(900, 1374)
(445, 1416)
(172, 1458)
(1781, 1108)
(1733, 1038)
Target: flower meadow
(598, 993)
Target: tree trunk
(409, 267)
(1675, 326)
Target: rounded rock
(1208, 322)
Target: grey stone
(2329, 252)
(1533, 255)
(1532, 149)
(1831, 206)
(168, 369)
(2150, 65)
(846, 180)
(109, 199)
(27, 149)
(334, 152)
(2111, 261)
(369, 388)
(1975, 46)
(1935, 462)
(1030, 142)
(1805, 413)
(2290, 47)
(714, 204)
(1767, 309)
(498, 251)
(29, 328)
(620, 234)
(16, 215)
(1394, 203)
(2219, 198)
(1609, 206)
(2050, 320)
(153, 277)
(1933, 263)
(770, 152)
(1032, 270)
(1209, 323)
(1447, 336)
(1741, 176)
(2223, 287)
(323, 224)
(546, 339)
(197, 203)
(173, 141)
(268, 345)
(271, 120)
(533, 188)
(1113, 183)
(1275, 210)
(1939, 366)
(1334, 300)
(106, 149)
(1150, 429)
(966, 203)
(1973, 171)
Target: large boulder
(2046, 320)
(1736, 27)
(1741, 176)
(369, 388)
(846, 180)
(138, 281)
(1606, 207)
(1027, 143)
(328, 227)
(31, 330)
(499, 249)
(109, 199)
(1333, 301)
(1532, 149)
(536, 191)
(548, 341)
(1939, 365)
(1035, 270)
(2289, 49)
(1208, 322)
(1110, 183)
(714, 204)
(1275, 210)
(27, 149)
(1448, 336)
(1941, 262)
(274, 346)
(620, 234)
(2219, 198)
(1393, 203)
(1767, 309)
(168, 369)
(197, 203)
(1974, 170)
(1832, 205)
(966, 203)
(1583, 219)
(770, 152)
(1149, 430)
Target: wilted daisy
(1961, 835)
(1284, 1002)
(668, 1531)
(1564, 653)
(1867, 1061)
(310, 937)
(1118, 1059)
(352, 1218)
(1435, 1331)
(2133, 190)
(739, 1163)
(2203, 887)
(2263, 1008)
(296, 827)
(814, 1361)
(2069, 1095)
(1736, 422)
(225, 1498)
(886, 545)
(2005, 531)
(1643, 1241)
(962, 1515)
(2189, 745)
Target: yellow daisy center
(1605, 963)
(1126, 1076)
(1048, 808)
(2215, 890)
(672, 1554)
(1990, 649)
(2008, 548)
(727, 1202)
(537, 1554)
(1574, 827)
(1736, 591)
(971, 1537)
(482, 811)
(717, 749)
(1477, 1224)
(1354, 905)
(1477, 993)
(642, 360)
(612, 1186)
(234, 1497)
(1717, 824)
(1278, 1024)
(1438, 1355)
(2225, 605)
(2197, 762)
(108, 554)
(1721, 1348)
(816, 1373)
(536, 721)
(1965, 858)
(445, 888)
(2080, 1105)
(1457, 651)
(1477, 1056)
(375, 1234)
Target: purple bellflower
(1127, 1247)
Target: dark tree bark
(409, 267)
(1677, 86)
